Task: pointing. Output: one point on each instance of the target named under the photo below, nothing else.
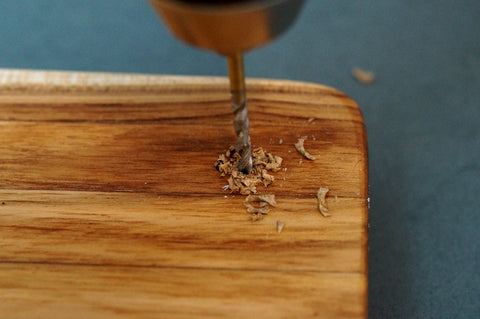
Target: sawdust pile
(239, 183)
(263, 164)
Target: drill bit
(239, 109)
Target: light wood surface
(111, 206)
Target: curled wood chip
(280, 226)
(300, 148)
(267, 178)
(270, 199)
(363, 76)
(322, 203)
(257, 210)
(258, 205)
(263, 163)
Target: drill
(230, 28)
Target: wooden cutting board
(111, 206)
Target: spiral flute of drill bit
(239, 108)
(241, 125)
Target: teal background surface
(422, 115)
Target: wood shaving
(263, 163)
(280, 226)
(300, 148)
(257, 212)
(363, 76)
(261, 209)
(267, 178)
(322, 203)
(259, 205)
(269, 199)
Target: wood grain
(111, 206)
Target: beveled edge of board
(51, 82)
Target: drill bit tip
(245, 164)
